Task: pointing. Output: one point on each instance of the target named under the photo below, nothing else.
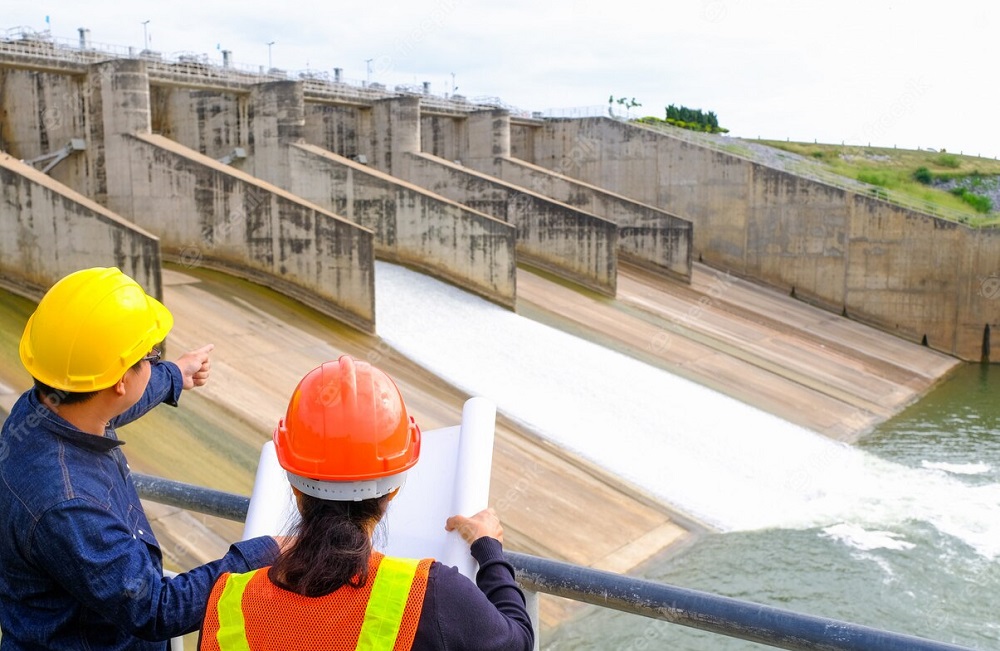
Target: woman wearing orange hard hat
(79, 564)
(346, 444)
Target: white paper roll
(272, 504)
(452, 477)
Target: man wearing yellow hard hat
(79, 565)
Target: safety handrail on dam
(197, 69)
(736, 618)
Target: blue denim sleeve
(165, 385)
(95, 556)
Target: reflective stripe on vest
(232, 634)
(383, 613)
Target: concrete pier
(207, 213)
(647, 236)
(570, 243)
(48, 231)
(411, 226)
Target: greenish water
(904, 574)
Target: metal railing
(745, 620)
(188, 68)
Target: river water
(900, 532)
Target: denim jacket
(80, 567)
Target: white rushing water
(722, 461)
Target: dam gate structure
(570, 196)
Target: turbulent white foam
(866, 540)
(718, 459)
(958, 468)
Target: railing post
(531, 603)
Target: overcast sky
(907, 74)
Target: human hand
(195, 366)
(484, 523)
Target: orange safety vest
(247, 611)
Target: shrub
(873, 178)
(978, 202)
(947, 160)
(923, 175)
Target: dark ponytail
(332, 546)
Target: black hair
(56, 397)
(332, 546)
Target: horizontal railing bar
(192, 497)
(745, 620)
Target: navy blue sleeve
(96, 557)
(489, 615)
(165, 385)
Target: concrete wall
(411, 226)
(343, 130)
(522, 139)
(211, 122)
(903, 271)
(877, 262)
(978, 293)
(570, 243)
(48, 231)
(646, 236)
(278, 120)
(39, 113)
(444, 136)
(208, 213)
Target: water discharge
(726, 463)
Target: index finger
(203, 351)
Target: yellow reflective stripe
(384, 613)
(232, 633)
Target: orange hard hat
(346, 435)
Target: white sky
(910, 74)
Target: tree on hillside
(693, 119)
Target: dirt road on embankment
(807, 366)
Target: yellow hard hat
(89, 328)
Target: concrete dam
(675, 253)
(301, 184)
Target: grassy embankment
(895, 172)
